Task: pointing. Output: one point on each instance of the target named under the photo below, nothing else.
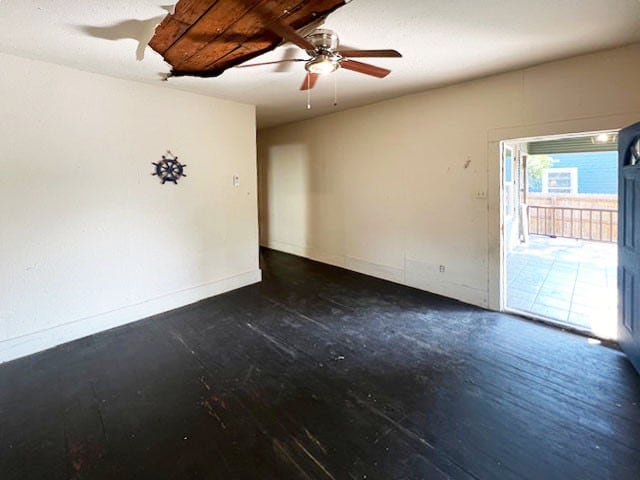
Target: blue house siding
(597, 172)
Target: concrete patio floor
(570, 281)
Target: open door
(629, 243)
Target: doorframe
(496, 285)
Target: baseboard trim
(307, 252)
(24, 345)
(408, 277)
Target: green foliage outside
(536, 164)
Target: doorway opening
(560, 230)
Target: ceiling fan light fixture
(322, 64)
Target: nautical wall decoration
(169, 169)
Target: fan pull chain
(335, 88)
(308, 91)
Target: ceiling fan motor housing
(324, 41)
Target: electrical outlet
(481, 195)
(441, 268)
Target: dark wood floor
(320, 373)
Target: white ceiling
(442, 41)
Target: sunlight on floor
(571, 281)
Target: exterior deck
(570, 281)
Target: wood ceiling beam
(206, 37)
(306, 13)
(214, 27)
(187, 13)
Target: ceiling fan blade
(280, 28)
(369, 53)
(364, 68)
(309, 81)
(285, 31)
(272, 22)
(271, 63)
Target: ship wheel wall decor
(169, 169)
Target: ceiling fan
(326, 56)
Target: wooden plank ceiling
(204, 38)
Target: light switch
(236, 181)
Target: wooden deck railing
(598, 225)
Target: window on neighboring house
(560, 180)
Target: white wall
(386, 190)
(88, 238)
